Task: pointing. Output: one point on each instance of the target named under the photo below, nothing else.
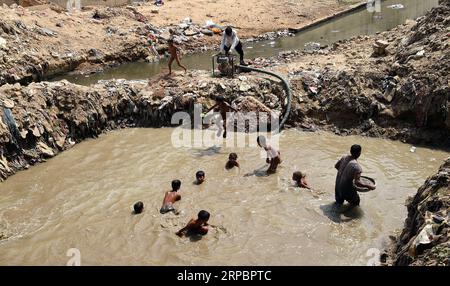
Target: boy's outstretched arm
(181, 231)
(214, 106)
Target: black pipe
(286, 87)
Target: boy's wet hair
(176, 184)
(232, 156)
(261, 139)
(298, 174)
(355, 150)
(228, 30)
(138, 207)
(220, 98)
(203, 215)
(199, 174)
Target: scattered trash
(412, 149)
(2, 43)
(312, 46)
(46, 32)
(207, 32)
(159, 2)
(396, 6)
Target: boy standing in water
(223, 107)
(170, 198)
(196, 226)
(273, 156)
(300, 179)
(173, 51)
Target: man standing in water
(349, 170)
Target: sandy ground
(251, 17)
(77, 39)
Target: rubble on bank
(101, 37)
(42, 119)
(424, 240)
(401, 92)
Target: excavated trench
(87, 199)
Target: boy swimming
(232, 161)
(196, 226)
(300, 179)
(199, 177)
(170, 198)
(273, 155)
(223, 107)
(138, 207)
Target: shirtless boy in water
(273, 155)
(173, 51)
(196, 226)
(170, 198)
(232, 161)
(223, 107)
(300, 179)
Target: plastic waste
(2, 43)
(412, 149)
(396, 6)
(9, 119)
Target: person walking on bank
(230, 41)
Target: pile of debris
(42, 119)
(425, 237)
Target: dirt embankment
(403, 94)
(42, 41)
(343, 88)
(424, 240)
(42, 119)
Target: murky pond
(361, 22)
(83, 199)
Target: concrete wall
(63, 3)
(111, 3)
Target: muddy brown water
(83, 199)
(361, 22)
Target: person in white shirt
(273, 155)
(230, 41)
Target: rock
(2, 43)
(46, 32)
(244, 87)
(381, 43)
(7, 103)
(4, 163)
(207, 32)
(191, 32)
(47, 151)
(379, 48)
(155, 11)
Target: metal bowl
(366, 180)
